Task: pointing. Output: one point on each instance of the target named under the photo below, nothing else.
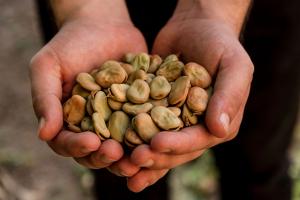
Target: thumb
(46, 91)
(231, 91)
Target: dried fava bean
(171, 58)
(74, 128)
(197, 100)
(134, 109)
(188, 117)
(128, 57)
(99, 103)
(165, 118)
(87, 82)
(171, 70)
(138, 92)
(155, 62)
(199, 76)
(77, 89)
(87, 124)
(175, 110)
(150, 77)
(131, 138)
(127, 67)
(111, 72)
(144, 126)
(115, 105)
(161, 102)
(100, 127)
(179, 91)
(159, 87)
(117, 92)
(94, 72)
(74, 109)
(138, 74)
(89, 107)
(141, 61)
(117, 125)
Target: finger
(46, 93)
(124, 167)
(145, 178)
(70, 144)
(230, 91)
(143, 156)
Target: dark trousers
(255, 164)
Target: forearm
(232, 12)
(106, 10)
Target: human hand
(214, 43)
(88, 36)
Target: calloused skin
(211, 42)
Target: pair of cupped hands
(84, 44)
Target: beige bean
(145, 127)
(115, 105)
(100, 127)
(138, 92)
(150, 77)
(159, 87)
(74, 109)
(199, 76)
(99, 104)
(117, 125)
(138, 74)
(197, 100)
(161, 102)
(94, 72)
(155, 62)
(188, 117)
(87, 82)
(165, 118)
(127, 67)
(111, 72)
(77, 89)
(128, 57)
(171, 58)
(134, 109)
(131, 138)
(171, 70)
(179, 91)
(141, 61)
(87, 124)
(118, 92)
(175, 110)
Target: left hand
(214, 44)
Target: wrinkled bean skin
(141, 61)
(77, 89)
(171, 58)
(89, 107)
(175, 110)
(159, 87)
(134, 109)
(197, 100)
(74, 109)
(99, 104)
(100, 127)
(179, 91)
(115, 105)
(138, 92)
(118, 92)
(145, 127)
(165, 118)
(131, 138)
(117, 125)
(87, 82)
(199, 76)
(138, 74)
(188, 117)
(171, 70)
(127, 67)
(155, 62)
(161, 102)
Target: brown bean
(165, 118)
(74, 109)
(197, 100)
(199, 76)
(117, 125)
(159, 87)
(86, 81)
(179, 91)
(138, 92)
(99, 103)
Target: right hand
(81, 45)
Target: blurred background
(29, 170)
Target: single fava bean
(74, 109)
(138, 74)
(179, 91)
(100, 127)
(99, 104)
(188, 117)
(171, 58)
(197, 100)
(159, 87)
(87, 124)
(134, 109)
(111, 72)
(127, 67)
(175, 110)
(199, 76)
(86, 81)
(161, 102)
(171, 70)
(141, 61)
(155, 62)
(131, 138)
(118, 92)
(115, 105)
(117, 125)
(145, 127)
(138, 92)
(77, 89)
(128, 57)
(165, 118)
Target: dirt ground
(29, 170)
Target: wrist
(230, 12)
(105, 10)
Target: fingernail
(166, 151)
(41, 125)
(84, 150)
(149, 163)
(225, 120)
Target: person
(217, 34)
